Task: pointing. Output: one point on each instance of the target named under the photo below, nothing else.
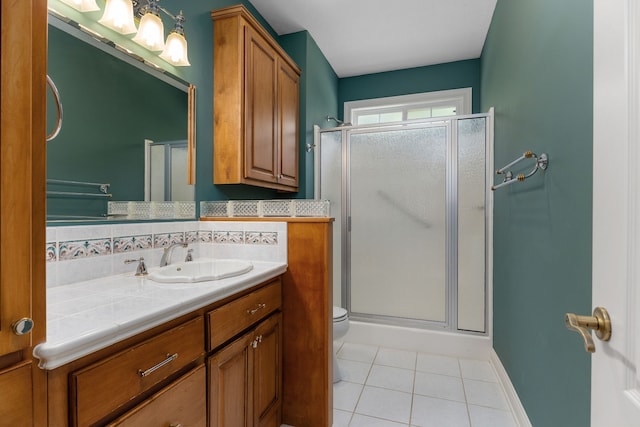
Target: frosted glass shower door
(397, 204)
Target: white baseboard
(421, 340)
(520, 415)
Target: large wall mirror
(125, 124)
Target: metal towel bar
(542, 162)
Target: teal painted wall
(537, 72)
(318, 98)
(100, 140)
(452, 75)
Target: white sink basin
(200, 270)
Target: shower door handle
(599, 322)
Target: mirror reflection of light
(82, 5)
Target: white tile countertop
(88, 316)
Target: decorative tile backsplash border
(75, 249)
(266, 208)
(81, 253)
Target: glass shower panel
(398, 223)
(331, 189)
(471, 224)
(180, 190)
(156, 176)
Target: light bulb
(175, 51)
(151, 32)
(118, 15)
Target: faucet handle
(142, 268)
(189, 256)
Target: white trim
(147, 169)
(453, 344)
(520, 415)
(489, 222)
(460, 97)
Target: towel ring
(56, 96)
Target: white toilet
(340, 328)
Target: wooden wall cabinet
(255, 105)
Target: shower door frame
(451, 215)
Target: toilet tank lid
(339, 312)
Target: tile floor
(383, 387)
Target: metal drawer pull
(175, 425)
(170, 358)
(260, 306)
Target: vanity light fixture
(175, 50)
(118, 15)
(151, 30)
(82, 5)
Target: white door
(615, 384)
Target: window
(409, 107)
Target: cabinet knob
(22, 326)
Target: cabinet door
(22, 211)
(288, 125)
(260, 109)
(267, 374)
(230, 374)
(16, 404)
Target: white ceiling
(369, 36)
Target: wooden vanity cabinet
(245, 379)
(255, 103)
(171, 374)
(245, 375)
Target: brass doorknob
(599, 322)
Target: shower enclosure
(410, 202)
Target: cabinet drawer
(234, 317)
(102, 387)
(182, 403)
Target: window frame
(460, 98)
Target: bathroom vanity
(211, 343)
(122, 348)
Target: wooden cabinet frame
(255, 105)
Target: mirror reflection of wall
(110, 108)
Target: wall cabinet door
(261, 154)
(288, 124)
(245, 379)
(255, 105)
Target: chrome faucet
(166, 255)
